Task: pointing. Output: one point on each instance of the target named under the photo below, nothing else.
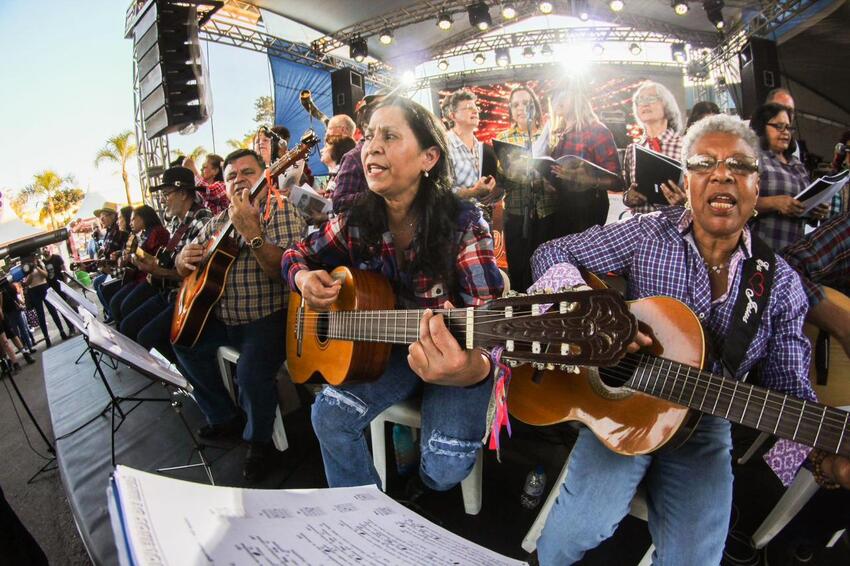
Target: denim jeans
(689, 498)
(19, 324)
(37, 296)
(262, 351)
(156, 333)
(97, 282)
(129, 298)
(453, 422)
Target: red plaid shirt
(595, 144)
(477, 275)
(214, 195)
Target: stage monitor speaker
(168, 64)
(759, 73)
(347, 88)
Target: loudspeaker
(759, 73)
(168, 65)
(347, 89)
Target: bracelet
(816, 458)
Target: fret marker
(470, 328)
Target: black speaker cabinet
(347, 88)
(759, 73)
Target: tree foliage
(119, 149)
(264, 111)
(50, 201)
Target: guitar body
(627, 422)
(199, 293)
(318, 357)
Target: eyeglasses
(783, 127)
(649, 99)
(469, 108)
(736, 164)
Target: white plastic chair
(407, 413)
(227, 356)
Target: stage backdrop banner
(289, 80)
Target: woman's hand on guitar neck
(438, 358)
(318, 289)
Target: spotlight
(386, 37)
(598, 49)
(546, 50)
(528, 52)
(677, 50)
(583, 10)
(714, 12)
(503, 56)
(616, 5)
(635, 49)
(444, 21)
(408, 78)
(443, 65)
(545, 7)
(479, 58)
(358, 50)
(479, 16)
(508, 11)
(680, 7)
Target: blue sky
(66, 76)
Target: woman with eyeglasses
(780, 221)
(696, 255)
(656, 111)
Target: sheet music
(165, 521)
(822, 190)
(306, 199)
(66, 311)
(78, 298)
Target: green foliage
(50, 201)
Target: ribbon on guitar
(497, 410)
(272, 191)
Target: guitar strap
(753, 296)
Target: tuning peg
(511, 293)
(563, 289)
(513, 363)
(548, 291)
(550, 366)
(569, 369)
(538, 365)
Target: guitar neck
(388, 326)
(756, 407)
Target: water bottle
(406, 454)
(532, 491)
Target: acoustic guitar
(202, 289)
(352, 341)
(655, 397)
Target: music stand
(83, 302)
(108, 341)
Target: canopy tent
(12, 227)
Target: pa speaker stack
(759, 73)
(347, 88)
(168, 63)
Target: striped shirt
(517, 195)
(249, 294)
(777, 178)
(671, 146)
(823, 258)
(466, 163)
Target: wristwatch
(256, 242)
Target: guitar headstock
(300, 151)
(591, 327)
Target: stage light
(479, 16)
(616, 5)
(503, 56)
(635, 49)
(680, 7)
(408, 79)
(508, 11)
(714, 12)
(386, 37)
(358, 50)
(545, 7)
(444, 21)
(546, 50)
(677, 50)
(598, 49)
(443, 65)
(583, 10)
(528, 52)
(479, 58)
(574, 58)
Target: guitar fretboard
(756, 407)
(389, 326)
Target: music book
(513, 161)
(652, 169)
(822, 190)
(160, 520)
(589, 171)
(307, 200)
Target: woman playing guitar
(699, 257)
(433, 248)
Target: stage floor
(153, 436)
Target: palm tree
(244, 143)
(49, 195)
(195, 154)
(119, 149)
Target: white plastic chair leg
(379, 449)
(471, 487)
(798, 493)
(762, 438)
(529, 543)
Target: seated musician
(697, 256)
(350, 181)
(151, 235)
(249, 316)
(109, 289)
(149, 323)
(113, 241)
(433, 248)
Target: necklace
(716, 268)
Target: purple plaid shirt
(350, 180)
(671, 146)
(823, 258)
(777, 178)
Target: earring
(755, 213)
(687, 205)
(425, 172)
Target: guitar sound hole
(323, 326)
